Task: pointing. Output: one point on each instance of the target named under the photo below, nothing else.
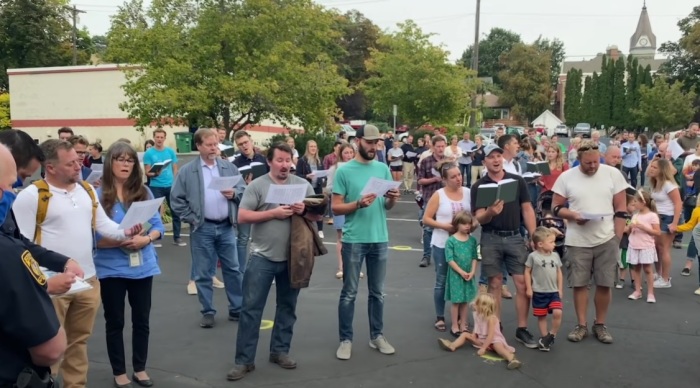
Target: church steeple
(643, 42)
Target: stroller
(546, 218)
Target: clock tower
(643, 42)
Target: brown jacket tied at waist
(305, 245)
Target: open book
(539, 167)
(158, 167)
(531, 176)
(256, 168)
(505, 190)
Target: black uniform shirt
(27, 317)
(511, 216)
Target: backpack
(43, 206)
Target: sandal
(455, 334)
(440, 324)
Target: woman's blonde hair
(485, 305)
(560, 157)
(645, 198)
(309, 157)
(666, 170)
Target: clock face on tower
(643, 41)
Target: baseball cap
(491, 148)
(368, 132)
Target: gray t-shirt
(270, 239)
(544, 271)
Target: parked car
(561, 130)
(583, 129)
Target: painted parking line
(393, 248)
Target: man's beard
(366, 155)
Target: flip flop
(455, 334)
(440, 326)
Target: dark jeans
(165, 192)
(466, 170)
(692, 248)
(427, 232)
(256, 286)
(243, 237)
(642, 172)
(534, 190)
(113, 292)
(632, 173)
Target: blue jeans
(466, 170)
(632, 173)
(243, 233)
(440, 278)
(375, 255)
(256, 286)
(427, 232)
(159, 192)
(210, 243)
(692, 248)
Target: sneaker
(685, 272)
(578, 334)
(180, 243)
(505, 293)
(661, 283)
(602, 334)
(697, 292)
(207, 321)
(651, 299)
(344, 350)
(656, 276)
(483, 289)
(339, 275)
(523, 336)
(635, 296)
(191, 288)
(424, 262)
(620, 284)
(217, 283)
(677, 245)
(545, 343)
(514, 364)
(362, 275)
(380, 343)
(320, 234)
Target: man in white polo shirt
(597, 204)
(67, 229)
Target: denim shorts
(665, 221)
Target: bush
(325, 141)
(382, 126)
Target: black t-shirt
(406, 148)
(27, 317)
(478, 157)
(511, 216)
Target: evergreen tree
(619, 107)
(632, 99)
(587, 109)
(573, 108)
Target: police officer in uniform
(31, 339)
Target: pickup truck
(583, 129)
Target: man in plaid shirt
(429, 182)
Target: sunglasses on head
(588, 147)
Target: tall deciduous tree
(498, 41)
(34, 33)
(227, 63)
(525, 80)
(664, 105)
(5, 121)
(684, 56)
(573, 97)
(417, 77)
(556, 48)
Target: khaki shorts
(599, 261)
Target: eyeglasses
(125, 161)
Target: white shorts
(641, 256)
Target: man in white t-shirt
(597, 207)
(67, 229)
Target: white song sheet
(220, 183)
(286, 194)
(140, 212)
(94, 176)
(320, 173)
(379, 186)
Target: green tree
(525, 79)
(499, 41)
(619, 94)
(416, 76)
(556, 48)
(34, 33)
(227, 63)
(587, 109)
(358, 36)
(632, 92)
(664, 105)
(5, 121)
(573, 97)
(99, 45)
(684, 56)
(603, 98)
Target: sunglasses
(587, 148)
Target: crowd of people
(65, 230)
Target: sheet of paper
(320, 173)
(219, 183)
(224, 147)
(379, 186)
(140, 212)
(140, 155)
(80, 285)
(97, 167)
(595, 216)
(436, 173)
(286, 194)
(410, 154)
(676, 149)
(94, 177)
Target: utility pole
(75, 11)
(475, 61)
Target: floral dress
(458, 290)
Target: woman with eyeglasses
(439, 212)
(126, 269)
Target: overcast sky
(586, 27)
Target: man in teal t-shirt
(365, 237)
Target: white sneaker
(697, 292)
(344, 350)
(619, 285)
(380, 343)
(191, 288)
(217, 283)
(661, 283)
(320, 234)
